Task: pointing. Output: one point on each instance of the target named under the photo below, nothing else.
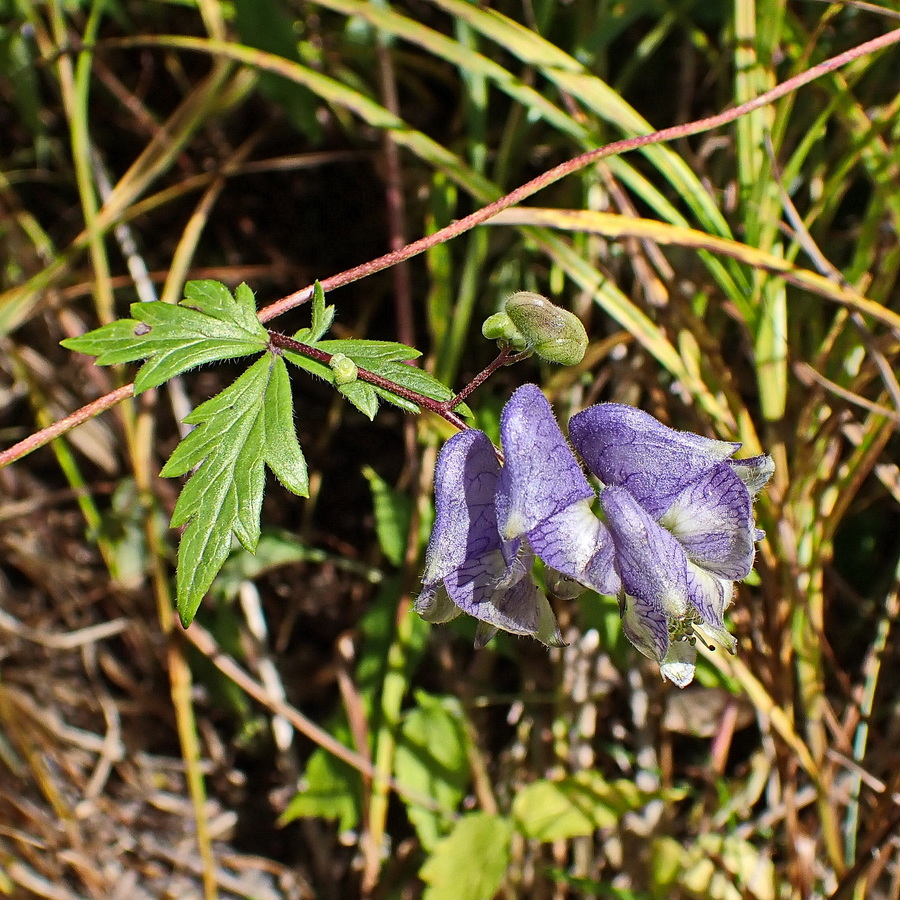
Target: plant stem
(676, 132)
(440, 408)
(504, 358)
(58, 429)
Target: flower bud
(345, 370)
(499, 327)
(553, 333)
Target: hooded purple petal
(481, 589)
(502, 598)
(540, 475)
(650, 561)
(543, 493)
(577, 544)
(625, 446)
(466, 561)
(465, 525)
(712, 518)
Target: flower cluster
(673, 532)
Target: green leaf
(123, 531)
(470, 863)
(313, 366)
(322, 317)
(362, 396)
(384, 358)
(574, 806)
(207, 325)
(414, 379)
(362, 351)
(284, 456)
(330, 789)
(264, 24)
(431, 760)
(393, 511)
(239, 431)
(213, 299)
(714, 867)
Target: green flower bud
(553, 333)
(499, 327)
(345, 370)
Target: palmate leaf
(209, 324)
(247, 426)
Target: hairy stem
(58, 429)
(436, 406)
(459, 227)
(504, 358)
(573, 165)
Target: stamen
(682, 628)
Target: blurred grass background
(279, 141)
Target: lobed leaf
(363, 351)
(208, 325)
(322, 317)
(431, 759)
(393, 513)
(362, 396)
(574, 806)
(416, 380)
(239, 431)
(385, 358)
(329, 789)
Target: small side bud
(499, 327)
(555, 334)
(345, 370)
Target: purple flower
(469, 567)
(492, 520)
(675, 529)
(543, 496)
(679, 509)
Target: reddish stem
(573, 165)
(438, 407)
(504, 358)
(459, 227)
(58, 429)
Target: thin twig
(467, 223)
(58, 429)
(573, 165)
